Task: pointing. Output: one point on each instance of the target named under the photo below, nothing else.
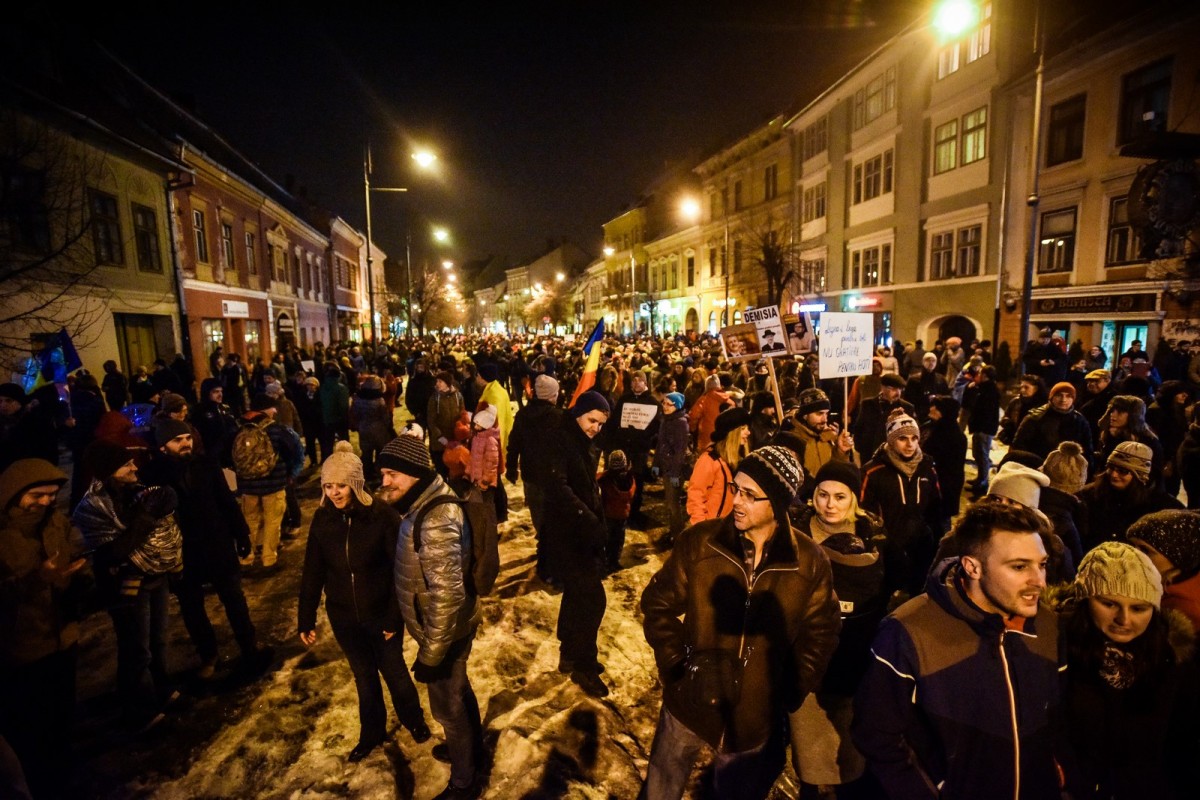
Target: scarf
(907, 466)
(822, 530)
(1117, 668)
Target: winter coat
(869, 427)
(762, 639)
(349, 557)
(1184, 596)
(335, 403)
(703, 416)
(308, 411)
(116, 390)
(208, 514)
(485, 458)
(441, 413)
(288, 415)
(1066, 514)
(910, 508)
(1187, 462)
(1044, 429)
(945, 443)
(37, 619)
(670, 456)
(434, 602)
(620, 433)
(616, 493)
(817, 449)
(1050, 373)
(290, 456)
(983, 398)
(527, 441)
(217, 426)
(1093, 406)
(1108, 513)
(369, 416)
(936, 712)
(575, 530)
(710, 492)
(1014, 414)
(495, 394)
(417, 394)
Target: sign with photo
(847, 344)
(800, 337)
(739, 342)
(768, 326)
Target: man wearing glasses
(743, 620)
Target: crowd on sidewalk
(850, 581)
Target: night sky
(549, 119)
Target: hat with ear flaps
(345, 468)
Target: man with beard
(900, 486)
(814, 439)
(215, 534)
(963, 689)
(1048, 426)
(869, 424)
(635, 429)
(1100, 389)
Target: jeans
(141, 627)
(981, 451)
(370, 655)
(264, 515)
(452, 703)
(189, 591)
(748, 775)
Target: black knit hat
(102, 458)
(406, 454)
(13, 391)
(843, 472)
(588, 401)
(729, 420)
(813, 400)
(776, 470)
(166, 428)
(1175, 533)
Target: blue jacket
(955, 705)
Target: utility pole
(1033, 198)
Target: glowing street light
(559, 277)
(424, 158)
(447, 264)
(952, 18)
(441, 235)
(689, 209)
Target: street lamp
(424, 160)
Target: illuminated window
(875, 99)
(814, 203)
(1123, 242)
(873, 177)
(871, 266)
(1056, 252)
(945, 147)
(974, 137)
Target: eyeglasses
(749, 497)
(1114, 469)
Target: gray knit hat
(1116, 568)
(1173, 532)
(344, 467)
(1066, 467)
(545, 388)
(1135, 457)
(407, 454)
(1019, 483)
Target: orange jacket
(710, 492)
(703, 416)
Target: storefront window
(214, 334)
(253, 342)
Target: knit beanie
(407, 454)
(489, 371)
(777, 470)
(842, 472)
(812, 401)
(711, 382)
(485, 417)
(1066, 467)
(618, 461)
(165, 429)
(172, 403)
(1020, 483)
(344, 467)
(1117, 568)
(545, 388)
(1098, 375)
(899, 423)
(273, 390)
(1062, 386)
(313, 382)
(590, 400)
(1135, 457)
(677, 400)
(1173, 532)
(102, 458)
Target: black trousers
(582, 609)
(370, 656)
(189, 591)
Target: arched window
(712, 322)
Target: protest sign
(767, 326)
(637, 415)
(739, 342)
(847, 344)
(800, 338)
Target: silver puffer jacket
(434, 601)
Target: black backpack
(481, 560)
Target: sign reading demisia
(846, 344)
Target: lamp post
(1033, 197)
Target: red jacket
(616, 493)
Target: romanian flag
(591, 354)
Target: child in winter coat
(617, 487)
(484, 470)
(457, 455)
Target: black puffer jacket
(575, 527)
(350, 556)
(775, 631)
(527, 452)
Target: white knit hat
(485, 418)
(1116, 568)
(1019, 483)
(344, 467)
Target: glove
(157, 501)
(243, 548)
(427, 674)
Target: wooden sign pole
(775, 391)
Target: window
(737, 256)
(875, 99)
(714, 206)
(770, 182)
(873, 177)
(674, 275)
(227, 244)
(296, 270)
(251, 262)
(1124, 245)
(945, 147)
(24, 219)
(106, 228)
(278, 258)
(941, 255)
(871, 266)
(812, 275)
(972, 47)
(1057, 248)
(816, 138)
(213, 331)
(712, 262)
(969, 249)
(1145, 94)
(737, 196)
(974, 136)
(814, 203)
(1064, 138)
(145, 239)
(199, 230)
(691, 270)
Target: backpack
(481, 559)
(254, 454)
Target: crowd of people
(849, 581)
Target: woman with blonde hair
(710, 492)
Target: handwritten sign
(638, 415)
(772, 341)
(847, 344)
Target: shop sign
(235, 309)
(1096, 304)
(284, 323)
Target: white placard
(772, 341)
(638, 415)
(309, 365)
(847, 344)
(235, 309)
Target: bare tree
(48, 265)
(548, 304)
(777, 257)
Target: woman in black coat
(576, 535)
(350, 553)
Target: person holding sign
(635, 431)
